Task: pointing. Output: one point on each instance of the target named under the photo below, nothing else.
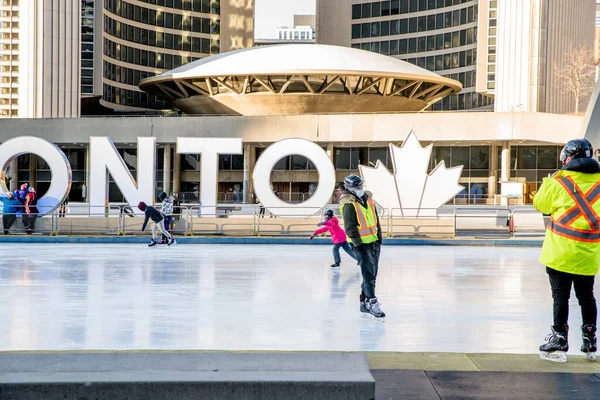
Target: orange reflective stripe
(582, 207)
(365, 230)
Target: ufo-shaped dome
(299, 79)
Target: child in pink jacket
(338, 237)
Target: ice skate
(363, 307)
(336, 265)
(589, 341)
(153, 243)
(373, 310)
(171, 242)
(556, 346)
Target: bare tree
(577, 75)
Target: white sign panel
(409, 191)
(284, 148)
(57, 162)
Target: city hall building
(351, 102)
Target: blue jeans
(336, 251)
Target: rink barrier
(186, 376)
(470, 221)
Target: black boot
(363, 305)
(556, 346)
(589, 341)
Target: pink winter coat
(337, 234)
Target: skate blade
(557, 356)
(372, 317)
(591, 356)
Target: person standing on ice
(167, 210)
(157, 218)
(363, 232)
(9, 211)
(338, 237)
(571, 250)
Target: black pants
(368, 257)
(561, 283)
(261, 213)
(336, 251)
(29, 221)
(167, 221)
(7, 221)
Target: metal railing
(471, 221)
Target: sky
(271, 14)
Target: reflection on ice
(457, 299)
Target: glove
(312, 237)
(321, 223)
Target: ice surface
(279, 297)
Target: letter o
(284, 148)
(56, 159)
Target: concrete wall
(237, 24)
(49, 84)
(334, 22)
(570, 24)
(344, 129)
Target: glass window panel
(376, 9)
(547, 157)
(460, 154)
(422, 24)
(366, 10)
(441, 154)
(366, 30)
(526, 157)
(375, 29)
(356, 11)
(385, 28)
(356, 31)
(403, 26)
(384, 47)
(480, 157)
(342, 158)
(395, 27)
(299, 162)
(412, 25)
(394, 48)
(395, 7)
(385, 8)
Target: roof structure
(299, 79)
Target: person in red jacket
(338, 237)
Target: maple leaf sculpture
(410, 191)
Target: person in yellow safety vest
(571, 250)
(363, 232)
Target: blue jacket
(153, 214)
(11, 206)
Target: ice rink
(272, 297)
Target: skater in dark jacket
(338, 237)
(363, 230)
(158, 220)
(571, 250)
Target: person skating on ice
(157, 218)
(338, 237)
(571, 249)
(363, 232)
(167, 210)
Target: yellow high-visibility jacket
(572, 241)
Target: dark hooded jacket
(153, 214)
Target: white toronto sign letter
(209, 150)
(105, 156)
(284, 148)
(56, 159)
